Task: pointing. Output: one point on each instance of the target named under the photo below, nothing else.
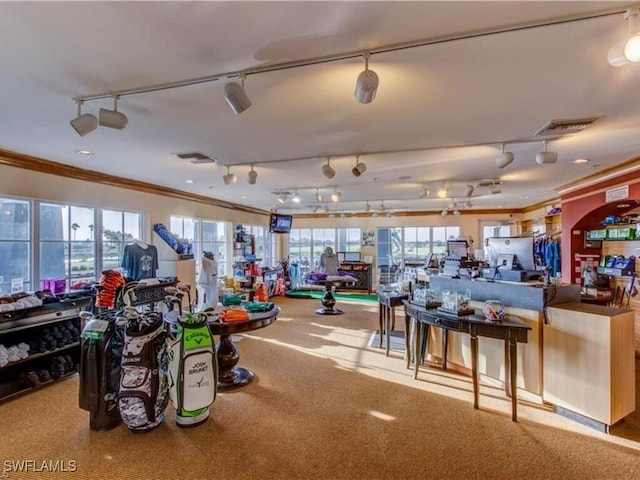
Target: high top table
(328, 300)
(511, 329)
(387, 301)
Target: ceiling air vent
(565, 127)
(196, 157)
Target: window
(440, 235)
(118, 229)
(403, 245)
(349, 239)
(215, 239)
(321, 238)
(300, 249)
(265, 244)
(189, 229)
(15, 243)
(67, 244)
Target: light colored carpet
(325, 405)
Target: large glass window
(321, 238)
(67, 244)
(118, 229)
(349, 239)
(15, 244)
(215, 239)
(300, 249)
(405, 245)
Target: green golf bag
(193, 370)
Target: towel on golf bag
(144, 388)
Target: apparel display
(140, 260)
(329, 262)
(208, 282)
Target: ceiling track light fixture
(326, 209)
(236, 96)
(468, 190)
(113, 118)
(282, 197)
(229, 178)
(296, 196)
(252, 176)
(494, 188)
(367, 207)
(318, 195)
(425, 192)
(628, 50)
(84, 124)
(336, 195)
(505, 158)
(444, 212)
(359, 167)
(546, 156)
(442, 192)
(382, 207)
(327, 169)
(367, 83)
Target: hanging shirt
(110, 281)
(140, 262)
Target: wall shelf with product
(39, 345)
(175, 257)
(245, 269)
(350, 264)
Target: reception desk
(522, 300)
(589, 363)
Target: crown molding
(28, 162)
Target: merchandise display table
(328, 300)
(232, 377)
(511, 329)
(387, 301)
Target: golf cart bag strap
(143, 393)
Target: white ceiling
(482, 90)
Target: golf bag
(101, 344)
(143, 394)
(193, 370)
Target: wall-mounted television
(279, 223)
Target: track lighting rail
(352, 55)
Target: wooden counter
(589, 364)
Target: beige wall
(25, 183)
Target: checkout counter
(579, 357)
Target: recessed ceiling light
(581, 160)
(84, 152)
(405, 177)
(244, 196)
(189, 181)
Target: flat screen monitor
(279, 223)
(351, 256)
(501, 248)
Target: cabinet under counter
(589, 363)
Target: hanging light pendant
(367, 83)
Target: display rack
(29, 324)
(244, 262)
(361, 272)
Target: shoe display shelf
(52, 332)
